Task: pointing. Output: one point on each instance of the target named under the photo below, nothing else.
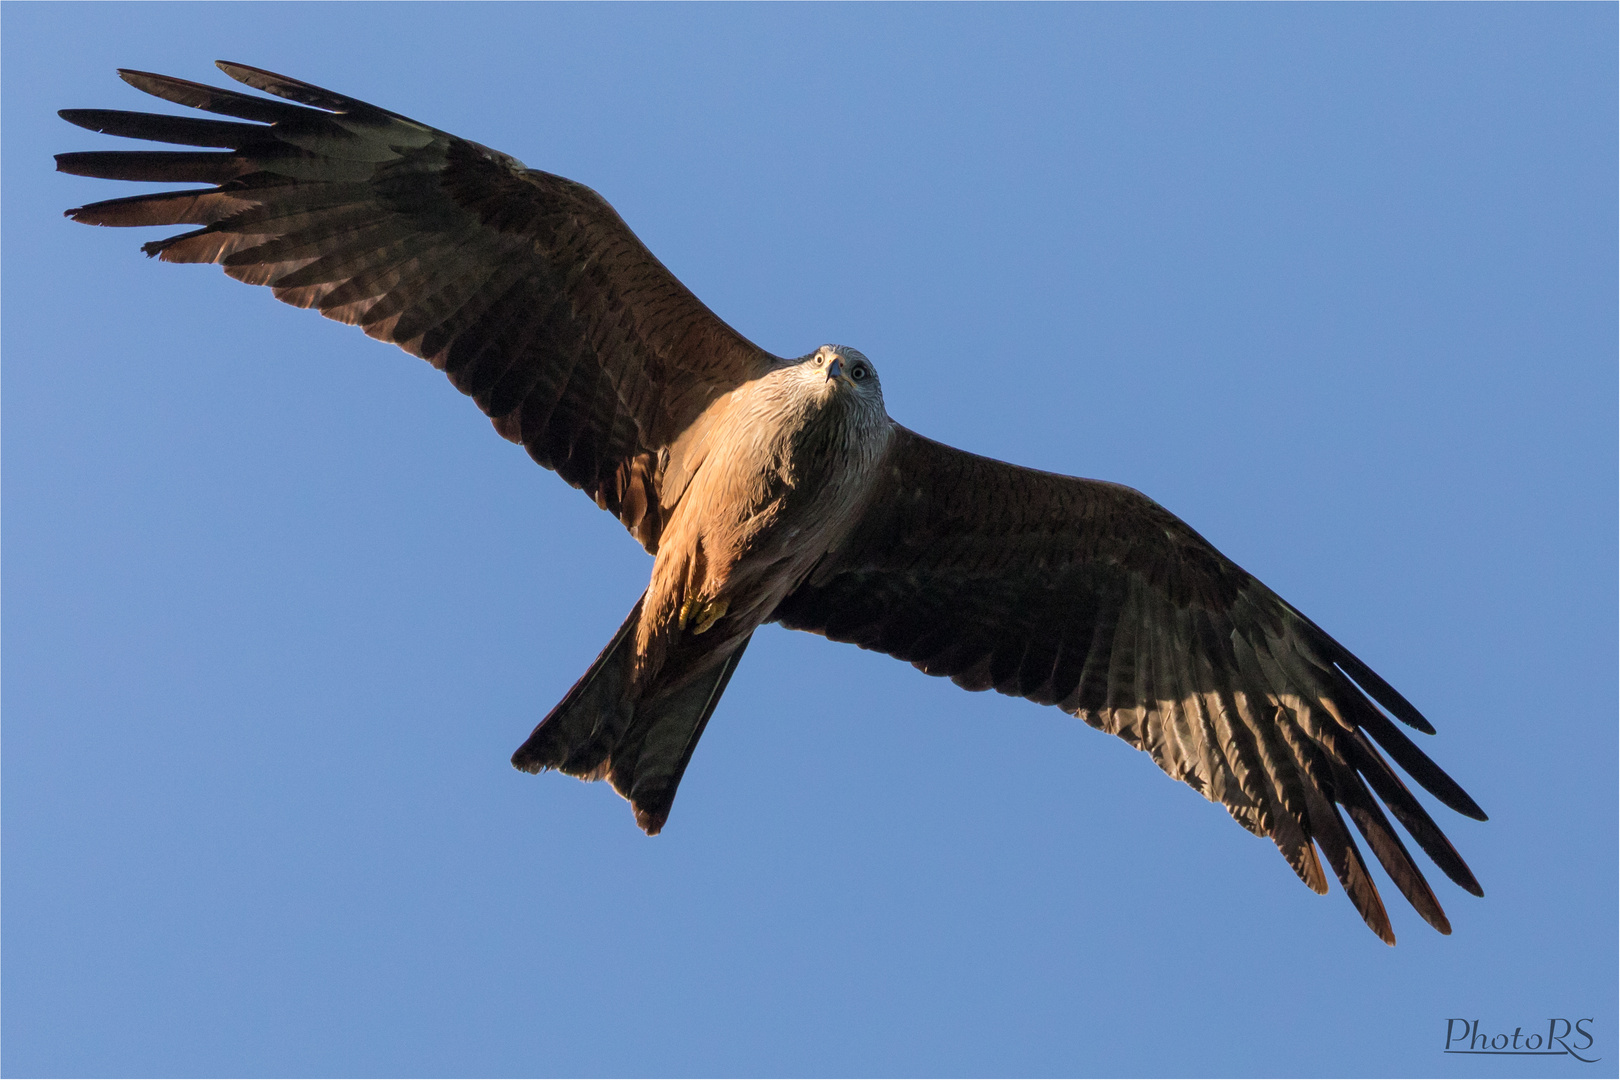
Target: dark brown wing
(526, 289)
(1092, 597)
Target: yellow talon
(709, 614)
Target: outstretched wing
(1092, 597)
(525, 288)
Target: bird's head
(837, 369)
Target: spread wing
(525, 288)
(1092, 597)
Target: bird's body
(778, 490)
(758, 489)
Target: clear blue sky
(1335, 284)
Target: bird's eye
(820, 359)
(858, 372)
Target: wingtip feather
(285, 86)
(145, 80)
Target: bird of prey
(777, 490)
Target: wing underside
(525, 288)
(1090, 597)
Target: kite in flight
(777, 490)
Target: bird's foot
(702, 614)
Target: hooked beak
(835, 370)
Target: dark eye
(858, 372)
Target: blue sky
(1335, 284)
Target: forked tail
(638, 738)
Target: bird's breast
(781, 478)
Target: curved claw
(706, 614)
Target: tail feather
(605, 729)
(647, 765)
(579, 734)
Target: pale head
(838, 370)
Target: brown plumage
(779, 490)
